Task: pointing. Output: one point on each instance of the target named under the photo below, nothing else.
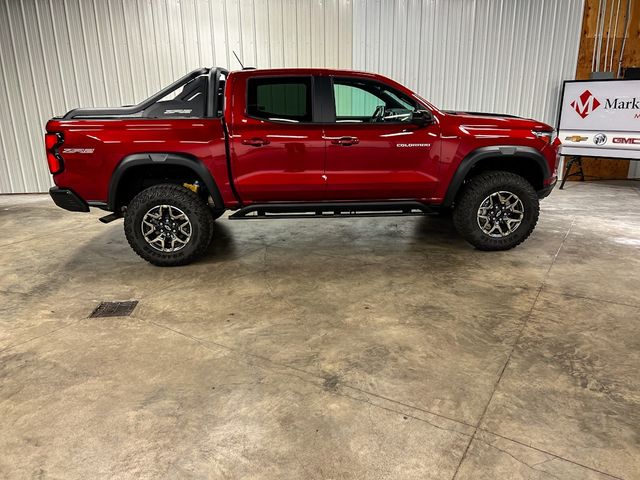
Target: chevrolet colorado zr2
(296, 143)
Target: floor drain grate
(114, 309)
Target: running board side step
(331, 210)
(110, 218)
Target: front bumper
(68, 199)
(547, 190)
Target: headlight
(545, 136)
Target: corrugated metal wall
(503, 56)
(498, 55)
(56, 55)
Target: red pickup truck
(296, 143)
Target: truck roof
(306, 71)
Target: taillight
(55, 163)
(52, 141)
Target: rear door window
(280, 99)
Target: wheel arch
(525, 161)
(157, 161)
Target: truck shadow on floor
(109, 249)
(103, 258)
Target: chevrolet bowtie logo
(576, 138)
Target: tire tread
(464, 214)
(192, 202)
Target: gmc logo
(585, 104)
(627, 141)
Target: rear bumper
(547, 190)
(68, 199)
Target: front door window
(359, 101)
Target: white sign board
(600, 118)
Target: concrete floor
(366, 348)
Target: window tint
(352, 101)
(365, 101)
(280, 99)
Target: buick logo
(599, 139)
(585, 104)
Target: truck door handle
(255, 142)
(345, 141)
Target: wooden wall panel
(606, 168)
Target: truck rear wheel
(168, 225)
(496, 211)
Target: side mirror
(422, 118)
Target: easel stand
(578, 173)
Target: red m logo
(585, 104)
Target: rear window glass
(280, 99)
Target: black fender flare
(180, 159)
(494, 151)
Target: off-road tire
(194, 207)
(465, 213)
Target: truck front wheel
(168, 225)
(496, 211)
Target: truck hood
(495, 120)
